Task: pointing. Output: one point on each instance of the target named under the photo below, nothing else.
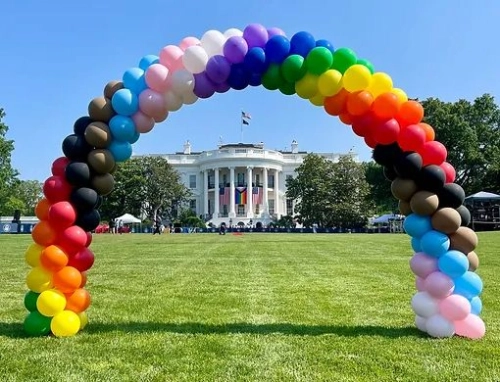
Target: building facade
(240, 183)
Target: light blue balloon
(125, 102)
(415, 244)
(417, 225)
(435, 243)
(148, 60)
(453, 264)
(476, 306)
(468, 285)
(135, 138)
(135, 80)
(122, 128)
(121, 150)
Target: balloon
(346, 118)
(195, 59)
(255, 35)
(59, 165)
(469, 285)
(423, 265)
(402, 97)
(330, 82)
(238, 78)
(53, 258)
(84, 199)
(411, 138)
(233, 32)
(326, 44)
(424, 305)
(343, 59)
(157, 78)
(302, 43)
(357, 78)
(435, 243)
(152, 103)
(455, 307)
(272, 78)
(72, 239)
(449, 171)
(203, 86)
(415, 245)
(410, 112)
(438, 285)
(317, 100)
(275, 32)
(255, 60)
(36, 324)
(125, 102)
(75, 147)
(190, 98)
(65, 324)
(307, 87)
(30, 300)
(287, 88)
(472, 327)
(438, 326)
(50, 302)
(419, 283)
(367, 64)
(386, 105)
(78, 301)
(173, 102)
(429, 131)
(235, 49)
(183, 82)
(476, 305)
(186, 42)
(381, 83)
(82, 260)
(121, 150)
(387, 132)
(42, 209)
(218, 69)
(417, 225)
(335, 105)
(453, 263)
(88, 221)
(359, 102)
(433, 152)
(67, 279)
(84, 320)
(44, 233)
(319, 60)
(32, 254)
(122, 128)
(277, 49)
(147, 61)
(224, 87)
(420, 323)
(78, 173)
(56, 189)
(293, 68)
(134, 80)
(212, 42)
(171, 57)
(38, 280)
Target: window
(224, 209)
(270, 181)
(241, 210)
(257, 209)
(257, 180)
(192, 205)
(210, 207)
(240, 180)
(224, 180)
(271, 207)
(289, 207)
(192, 181)
(210, 181)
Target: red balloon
(411, 138)
(62, 214)
(89, 239)
(433, 152)
(82, 260)
(56, 189)
(72, 239)
(449, 171)
(386, 132)
(364, 124)
(59, 166)
(370, 142)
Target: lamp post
(231, 224)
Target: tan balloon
(464, 240)
(424, 202)
(473, 261)
(100, 109)
(101, 161)
(103, 184)
(112, 87)
(97, 134)
(403, 189)
(404, 208)
(446, 220)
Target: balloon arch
(447, 299)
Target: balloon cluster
(336, 79)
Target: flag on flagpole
(245, 122)
(256, 195)
(223, 196)
(245, 115)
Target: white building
(240, 183)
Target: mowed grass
(256, 307)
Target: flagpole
(241, 129)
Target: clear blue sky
(57, 55)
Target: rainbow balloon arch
(447, 299)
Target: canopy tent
(483, 195)
(386, 218)
(128, 218)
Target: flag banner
(245, 122)
(245, 115)
(257, 195)
(240, 195)
(223, 195)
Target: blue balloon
(302, 43)
(435, 243)
(135, 80)
(415, 244)
(476, 306)
(255, 79)
(468, 285)
(125, 102)
(255, 60)
(135, 138)
(238, 78)
(326, 44)
(122, 128)
(121, 150)
(148, 60)
(417, 225)
(277, 49)
(453, 264)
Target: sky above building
(58, 55)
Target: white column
(215, 215)
(232, 214)
(277, 205)
(249, 192)
(266, 200)
(205, 193)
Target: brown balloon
(112, 87)
(473, 261)
(404, 208)
(100, 109)
(464, 240)
(101, 160)
(103, 184)
(97, 134)
(446, 220)
(113, 170)
(403, 189)
(424, 202)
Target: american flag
(223, 195)
(256, 195)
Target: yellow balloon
(39, 280)
(317, 100)
(330, 82)
(402, 97)
(307, 86)
(50, 302)
(32, 255)
(84, 319)
(381, 83)
(65, 324)
(357, 78)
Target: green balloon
(293, 68)
(30, 301)
(366, 63)
(343, 58)
(36, 324)
(272, 79)
(287, 88)
(319, 60)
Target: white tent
(128, 218)
(482, 195)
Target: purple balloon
(235, 49)
(222, 87)
(275, 32)
(218, 69)
(255, 35)
(203, 87)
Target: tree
(8, 175)
(380, 196)
(29, 192)
(188, 218)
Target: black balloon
(84, 199)
(408, 165)
(386, 155)
(78, 174)
(81, 124)
(390, 173)
(431, 178)
(100, 199)
(75, 147)
(452, 195)
(465, 215)
(88, 220)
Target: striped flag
(245, 115)
(223, 196)
(256, 195)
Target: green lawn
(256, 307)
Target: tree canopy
(8, 175)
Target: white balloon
(438, 326)
(424, 305)
(420, 323)
(233, 32)
(189, 98)
(173, 101)
(213, 42)
(195, 59)
(182, 82)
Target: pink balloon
(419, 283)
(143, 123)
(188, 41)
(472, 327)
(423, 265)
(152, 103)
(157, 78)
(455, 307)
(438, 285)
(171, 57)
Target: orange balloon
(84, 279)
(430, 134)
(346, 118)
(358, 103)
(335, 105)
(386, 105)
(78, 301)
(67, 280)
(53, 258)
(42, 209)
(43, 233)
(411, 113)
